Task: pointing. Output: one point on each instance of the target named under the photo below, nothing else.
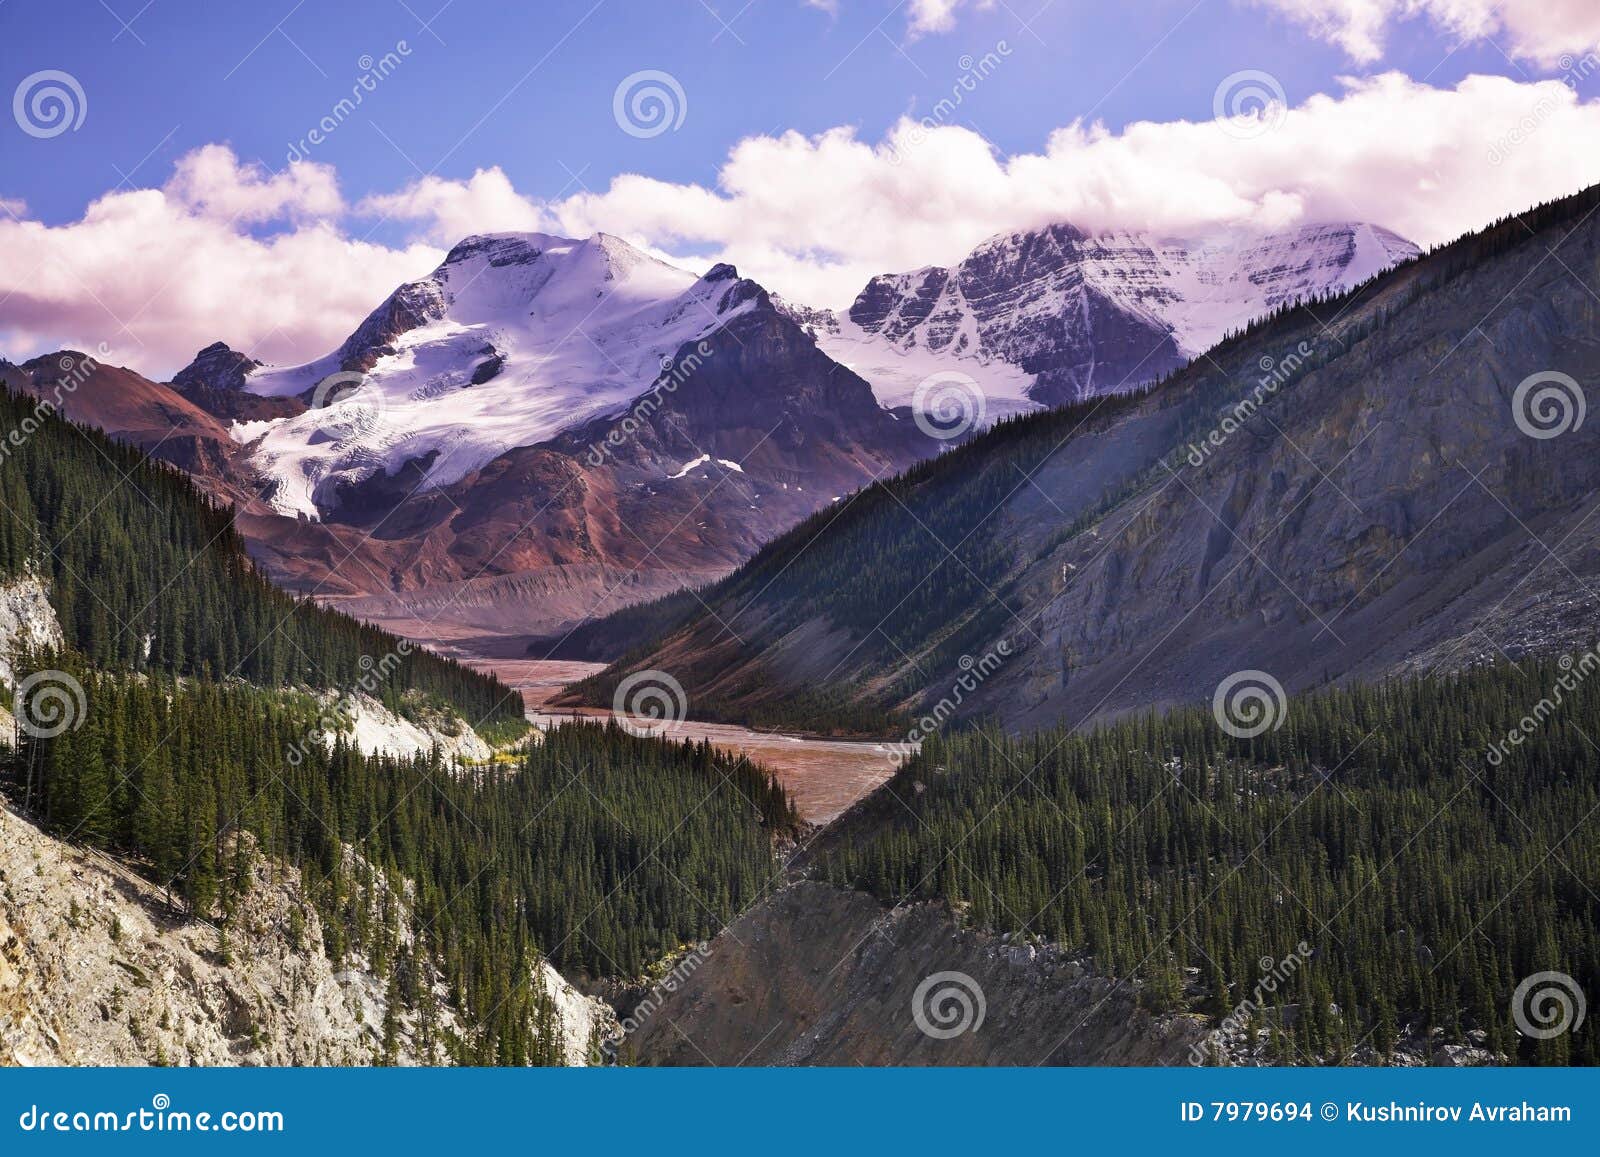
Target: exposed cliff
(819, 976)
(96, 970)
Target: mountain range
(1058, 314)
(546, 429)
(1352, 489)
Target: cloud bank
(278, 264)
(1539, 30)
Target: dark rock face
(819, 976)
(1092, 314)
(1371, 506)
(217, 367)
(412, 305)
(214, 381)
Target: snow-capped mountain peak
(514, 338)
(1054, 314)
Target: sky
(175, 172)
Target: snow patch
(581, 328)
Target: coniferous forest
(147, 574)
(598, 850)
(1373, 825)
(202, 726)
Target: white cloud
(922, 16)
(939, 15)
(810, 217)
(486, 203)
(158, 273)
(1538, 30)
(211, 182)
(813, 216)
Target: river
(822, 776)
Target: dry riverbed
(824, 776)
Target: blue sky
(808, 146)
(528, 87)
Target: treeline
(147, 574)
(598, 850)
(1428, 878)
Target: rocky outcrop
(27, 624)
(819, 976)
(96, 970)
(217, 367)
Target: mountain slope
(542, 429)
(1058, 314)
(1316, 501)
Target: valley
(823, 777)
(940, 700)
